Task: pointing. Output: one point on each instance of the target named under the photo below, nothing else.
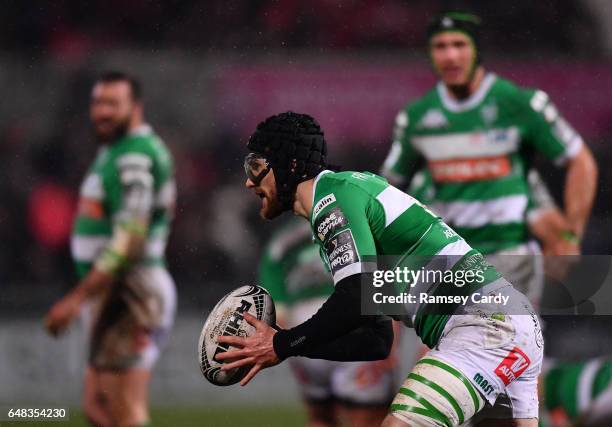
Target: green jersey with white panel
(291, 269)
(139, 156)
(576, 387)
(357, 216)
(477, 153)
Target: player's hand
(256, 351)
(62, 314)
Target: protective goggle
(256, 168)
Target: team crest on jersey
(322, 204)
(433, 119)
(359, 175)
(489, 114)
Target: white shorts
(523, 266)
(486, 364)
(131, 324)
(346, 382)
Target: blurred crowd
(72, 28)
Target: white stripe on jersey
(352, 269)
(459, 247)
(502, 210)
(92, 187)
(585, 384)
(394, 203)
(88, 248)
(466, 145)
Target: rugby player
(484, 360)
(118, 242)
(476, 134)
(578, 393)
(291, 271)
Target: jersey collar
(473, 100)
(144, 129)
(314, 188)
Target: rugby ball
(226, 318)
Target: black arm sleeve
(370, 342)
(338, 316)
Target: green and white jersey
(357, 216)
(477, 153)
(138, 158)
(423, 189)
(291, 269)
(574, 386)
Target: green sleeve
(547, 131)
(422, 186)
(343, 231)
(272, 277)
(403, 159)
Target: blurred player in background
(118, 242)
(544, 219)
(292, 272)
(476, 134)
(578, 393)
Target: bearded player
(118, 243)
(484, 359)
(476, 135)
(292, 272)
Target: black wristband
(281, 344)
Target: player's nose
(249, 184)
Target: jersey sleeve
(137, 186)
(272, 277)
(540, 199)
(342, 230)
(133, 185)
(403, 159)
(548, 132)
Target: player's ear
(138, 107)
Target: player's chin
(270, 210)
(105, 134)
(457, 82)
(456, 78)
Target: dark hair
(120, 76)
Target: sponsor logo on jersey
(329, 222)
(90, 208)
(477, 144)
(513, 365)
(341, 251)
(322, 204)
(465, 170)
(483, 384)
(433, 119)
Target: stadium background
(211, 70)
